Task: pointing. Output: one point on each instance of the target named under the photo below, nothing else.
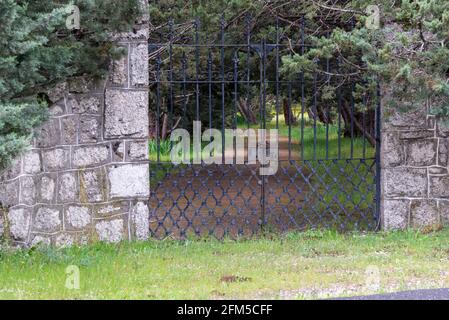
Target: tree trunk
(288, 113)
(355, 123)
(246, 112)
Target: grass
(313, 264)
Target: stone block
(13, 171)
(111, 209)
(439, 186)
(392, 150)
(415, 118)
(47, 219)
(64, 240)
(126, 114)
(443, 128)
(67, 187)
(422, 153)
(47, 188)
(443, 152)
(83, 238)
(396, 214)
(86, 104)
(9, 193)
(57, 109)
(139, 64)
(424, 213)
(56, 159)
(127, 181)
(91, 156)
(80, 85)
(405, 182)
(90, 129)
(32, 162)
(140, 218)
(418, 134)
(93, 186)
(49, 134)
(69, 127)
(77, 217)
(19, 223)
(58, 92)
(119, 71)
(28, 192)
(112, 231)
(137, 151)
(38, 240)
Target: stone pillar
(86, 177)
(415, 178)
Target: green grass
(313, 264)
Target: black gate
(327, 170)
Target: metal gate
(327, 171)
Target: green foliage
(16, 126)
(409, 52)
(37, 52)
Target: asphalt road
(431, 294)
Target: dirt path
(227, 199)
(236, 201)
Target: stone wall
(415, 178)
(86, 177)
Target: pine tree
(37, 52)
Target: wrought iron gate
(328, 170)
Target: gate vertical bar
(222, 74)
(197, 149)
(302, 90)
(197, 67)
(352, 111)
(328, 81)
(277, 72)
(236, 96)
(209, 78)
(171, 73)
(314, 108)
(158, 107)
(378, 155)
(184, 90)
(248, 58)
(263, 124)
(339, 110)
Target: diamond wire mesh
(225, 201)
